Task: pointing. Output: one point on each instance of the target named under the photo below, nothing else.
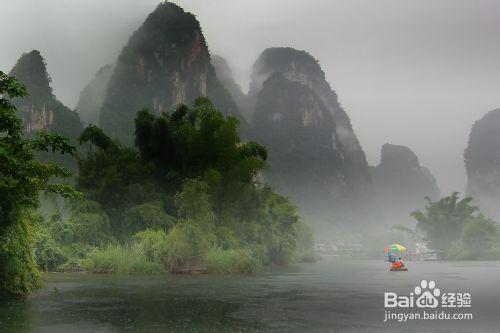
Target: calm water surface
(329, 296)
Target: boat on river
(400, 269)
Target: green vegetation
(305, 243)
(231, 261)
(121, 260)
(22, 178)
(457, 228)
(189, 190)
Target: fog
(414, 73)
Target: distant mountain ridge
(401, 183)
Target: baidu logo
(423, 302)
(427, 295)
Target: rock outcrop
(92, 96)
(401, 184)
(482, 163)
(166, 62)
(315, 157)
(41, 110)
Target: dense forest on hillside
(188, 191)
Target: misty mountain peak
(295, 65)
(41, 110)
(482, 163)
(401, 157)
(401, 183)
(309, 136)
(31, 70)
(165, 63)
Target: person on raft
(398, 264)
(391, 258)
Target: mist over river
(332, 295)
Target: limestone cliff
(482, 163)
(401, 184)
(165, 62)
(41, 110)
(315, 157)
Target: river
(329, 296)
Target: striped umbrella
(395, 248)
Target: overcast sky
(410, 72)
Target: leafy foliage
(150, 215)
(232, 261)
(188, 142)
(114, 177)
(193, 179)
(443, 220)
(18, 269)
(457, 228)
(154, 244)
(22, 178)
(121, 260)
(479, 240)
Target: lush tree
(193, 178)
(115, 177)
(188, 142)
(22, 178)
(443, 220)
(193, 235)
(478, 240)
(149, 215)
(458, 228)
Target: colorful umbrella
(395, 248)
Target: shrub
(18, 272)
(231, 261)
(121, 260)
(154, 244)
(72, 265)
(305, 243)
(478, 241)
(150, 215)
(186, 240)
(48, 253)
